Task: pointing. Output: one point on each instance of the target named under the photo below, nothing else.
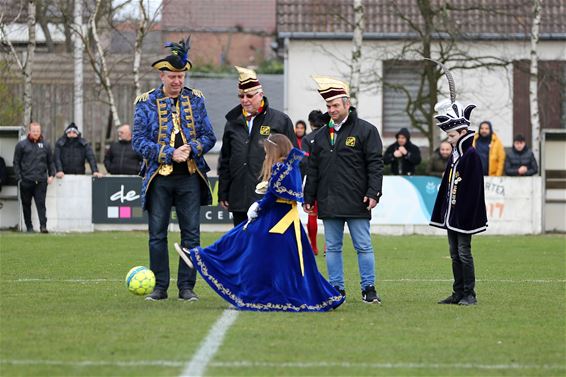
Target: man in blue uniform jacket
(172, 132)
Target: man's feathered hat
(247, 81)
(178, 61)
(330, 88)
(451, 115)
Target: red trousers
(312, 228)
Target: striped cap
(330, 88)
(248, 81)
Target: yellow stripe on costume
(291, 217)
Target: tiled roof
(501, 19)
(219, 15)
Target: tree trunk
(78, 50)
(41, 9)
(104, 74)
(430, 73)
(29, 63)
(140, 35)
(533, 82)
(356, 51)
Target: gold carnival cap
(248, 81)
(330, 88)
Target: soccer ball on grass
(140, 281)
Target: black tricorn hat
(178, 61)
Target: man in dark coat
(403, 156)
(121, 158)
(242, 153)
(520, 160)
(34, 170)
(71, 153)
(345, 176)
(460, 204)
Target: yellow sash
(291, 217)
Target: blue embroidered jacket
(285, 181)
(153, 125)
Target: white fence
(514, 206)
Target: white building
(317, 36)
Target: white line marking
(96, 363)
(210, 345)
(534, 281)
(303, 365)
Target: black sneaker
(370, 296)
(341, 291)
(185, 255)
(452, 299)
(188, 295)
(468, 300)
(30, 230)
(157, 295)
(44, 230)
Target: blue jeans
(334, 235)
(183, 192)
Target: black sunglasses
(248, 96)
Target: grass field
(65, 311)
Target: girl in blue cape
(267, 264)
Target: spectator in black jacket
(121, 158)
(3, 173)
(440, 159)
(403, 155)
(345, 175)
(242, 154)
(71, 152)
(34, 170)
(520, 160)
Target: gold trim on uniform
(143, 97)
(198, 93)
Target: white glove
(253, 211)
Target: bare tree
(98, 62)
(25, 64)
(146, 21)
(533, 81)
(436, 37)
(356, 51)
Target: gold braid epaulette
(198, 93)
(143, 97)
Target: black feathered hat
(451, 115)
(178, 61)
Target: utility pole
(78, 49)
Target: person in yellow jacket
(490, 149)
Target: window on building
(401, 84)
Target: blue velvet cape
(460, 204)
(255, 269)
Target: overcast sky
(131, 8)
